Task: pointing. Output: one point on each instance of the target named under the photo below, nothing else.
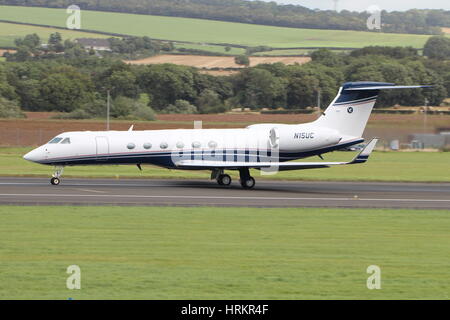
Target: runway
(126, 192)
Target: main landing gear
(221, 178)
(247, 182)
(224, 180)
(56, 179)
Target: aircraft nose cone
(32, 156)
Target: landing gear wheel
(248, 183)
(55, 181)
(224, 180)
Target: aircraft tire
(55, 181)
(224, 180)
(248, 183)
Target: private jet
(266, 147)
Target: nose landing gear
(56, 179)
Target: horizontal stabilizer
(282, 166)
(386, 88)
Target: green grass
(382, 166)
(291, 52)
(207, 31)
(210, 48)
(199, 253)
(9, 32)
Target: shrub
(77, 114)
(180, 106)
(142, 112)
(9, 109)
(242, 60)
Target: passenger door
(102, 147)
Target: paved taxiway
(38, 191)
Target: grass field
(382, 166)
(199, 253)
(9, 32)
(211, 48)
(292, 52)
(207, 31)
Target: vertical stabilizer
(351, 109)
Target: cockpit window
(66, 141)
(55, 140)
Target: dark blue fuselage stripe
(164, 159)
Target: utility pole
(318, 100)
(108, 107)
(425, 116)
(336, 5)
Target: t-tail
(351, 109)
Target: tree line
(260, 12)
(78, 85)
(31, 47)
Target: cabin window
(55, 140)
(212, 144)
(66, 141)
(163, 145)
(196, 144)
(180, 145)
(147, 145)
(131, 146)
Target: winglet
(363, 156)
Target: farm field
(10, 31)
(246, 253)
(3, 51)
(209, 62)
(211, 48)
(292, 52)
(382, 166)
(207, 31)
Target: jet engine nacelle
(303, 137)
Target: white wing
(362, 157)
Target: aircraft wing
(362, 157)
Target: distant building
(430, 141)
(95, 44)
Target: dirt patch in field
(211, 62)
(36, 131)
(2, 51)
(446, 30)
(40, 115)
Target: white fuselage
(164, 147)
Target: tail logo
(350, 110)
